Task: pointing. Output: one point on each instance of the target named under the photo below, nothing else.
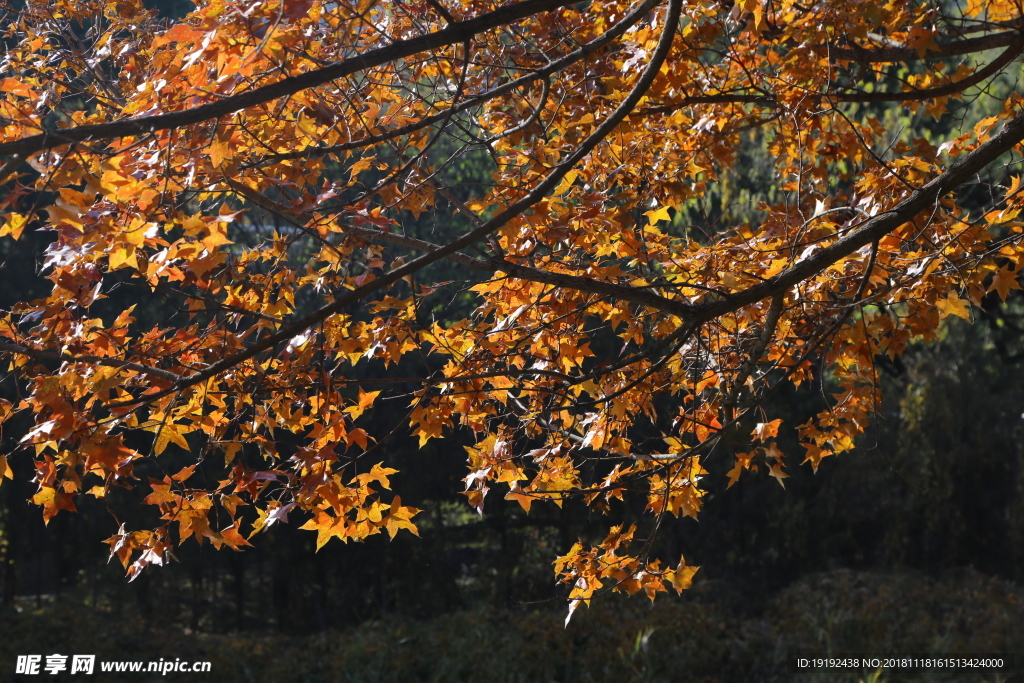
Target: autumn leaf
(682, 576)
(366, 399)
(229, 536)
(217, 236)
(814, 455)
(516, 494)
(326, 527)
(166, 434)
(177, 33)
(296, 9)
(378, 473)
(953, 305)
(17, 87)
(1004, 280)
(53, 501)
(655, 216)
(400, 517)
(14, 224)
(766, 430)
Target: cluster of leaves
(262, 166)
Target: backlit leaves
(599, 304)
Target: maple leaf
(776, 472)
(169, 433)
(14, 224)
(814, 455)
(399, 517)
(53, 501)
(229, 536)
(953, 305)
(766, 430)
(378, 473)
(1003, 281)
(326, 527)
(743, 461)
(365, 401)
(275, 512)
(682, 576)
(516, 493)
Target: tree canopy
(259, 232)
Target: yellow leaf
(776, 471)
(169, 433)
(758, 17)
(582, 121)
(1014, 187)
(516, 494)
(567, 181)
(193, 224)
(953, 305)
(218, 152)
(14, 225)
(53, 501)
(307, 125)
(378, 474)
(122, 256)
(660, 215)
(218, 236)
(682, 576)
(16, 87)
(366, 399)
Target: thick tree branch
(1007, 56)
(961, 171)
(554, 67)
(873, 55)
(1014, 48)
(456, 33)
(579, 283)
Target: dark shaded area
(171, 9)
(706, 636)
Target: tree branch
(494, 224)
(961, 171)
(576, 55)
(968, 46)
(1007, 56)
(459, 32)
(43, 354)
(1013, 50)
